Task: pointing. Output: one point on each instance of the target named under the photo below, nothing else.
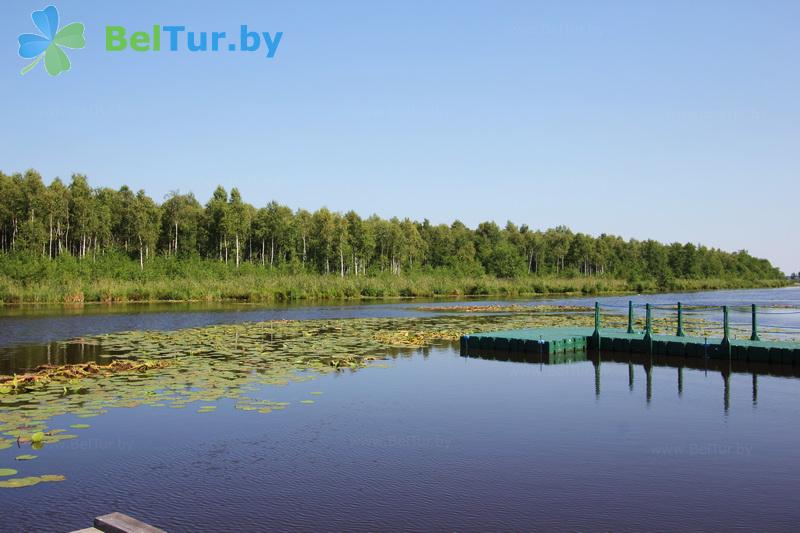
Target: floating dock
(549, 343)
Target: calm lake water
(435, 441)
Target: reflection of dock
(534, 357)
(647, 362)
(556, 341)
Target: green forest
(74, 242)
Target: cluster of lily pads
(497, 308)
(204, 365)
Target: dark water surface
(439, 441)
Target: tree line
(83, 221)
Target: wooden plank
(120, 523)
(87, 530)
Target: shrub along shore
(120, 279)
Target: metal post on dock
(597, 317)
(726, 340)
(596, 334)
(630, 316)
(648, 329)
(754, 336)
(680, 332)
(725, 326)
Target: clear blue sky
(678, 121)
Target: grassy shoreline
(265, 287)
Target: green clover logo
(48, 45)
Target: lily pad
(80, 426)
(306, 401)
(18, 482)
(26, 457)
(5, 472)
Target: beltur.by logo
(49, 45)
(175, 38)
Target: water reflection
(22, 358)
(755, 390)
(725, 367)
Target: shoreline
(295, 289)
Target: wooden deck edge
(121, 523)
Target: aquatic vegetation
(52, 477)
(5, 472)
(26, 457)
(45, 373)
(19, 482)
(408, 338)
(15, 483)
(505, 308)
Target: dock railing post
(596, 334)
(630, 316)
(648, 329)
(725, 326)
(754, 336)
(680, 332)
(726, 340)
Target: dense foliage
(85, 223)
